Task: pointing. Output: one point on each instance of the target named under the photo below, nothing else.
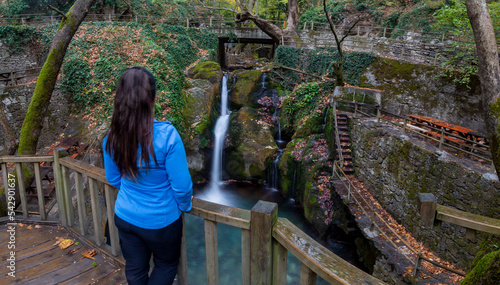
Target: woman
(145, 159)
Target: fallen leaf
(66, 243)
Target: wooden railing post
(182, 271)
(263, 217)
(427, 208)
(39, 191)
(22, 189)
(441, 141)
(67, 195)
(378, 115)
(59, 153)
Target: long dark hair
(132, 121)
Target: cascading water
(220, 133)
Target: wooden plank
(182, 271)
(280, 256)
(39, 191)
(307, 276)
(67, 196)
(32, 237)
(58, 155)
(22, 189)
(96, 212)
(92, 276)
(26, 158)
(263, 217)
(221, 214)
(319, 259)
(468, 220)
(71, 266)
(34, 260)
(91, 171)
(427, 208)
(80, 200)
(5, 181)
(245, 257)
(115, 278)
(109, 192)
(212, 256)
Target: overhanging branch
(58, 11)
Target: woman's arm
(178, 172)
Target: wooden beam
(319, 259)
(26, 158)
(468, 220)
(221, 214)
(212, 256)
(427, 208)
(263, 217)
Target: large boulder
(206, 70)
(200, 114)
(251, 146)
(244, 91)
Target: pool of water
(245, 196)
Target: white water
(220, 133)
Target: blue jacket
(163, 191)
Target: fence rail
(265, 238)
(444, 139)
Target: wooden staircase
(345, 142)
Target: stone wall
(395, 168)
(421, 90)
(15, 100)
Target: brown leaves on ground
(89, 254)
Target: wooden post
(280, 257)
(12, 78)
(307, 276)
(417, 264)
(136, 19)
(39, 191)
(67, 195)
(405, 124)
(59, 153)
(378, 115)
(22, 190)
(312, 26)
(441, 141)
(358, 31)
(187, 22)
(210, 24)
(110, 196)
(402, 52)
(5, 181)
(182, 271)
(263, 217)
(96, 212)
(52, 20)
(442, 39)
(355, 108)
(436, 58)
(304, 26)
(212, 257)
(427, 208)
(80, 200)
(245, 257)
(385, 29)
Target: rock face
(419, 89)
(200, 114)
(244, 91)
(303, 163)
(396, 170)
(251, 146)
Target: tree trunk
(9, 136)
(488, 71)
(279, 35)
(32, 124)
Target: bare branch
(350, 29)
(219, 8)
(332, 28)
(58, 11)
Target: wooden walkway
(38, 260)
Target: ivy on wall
(320, 62)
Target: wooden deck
(39, 261)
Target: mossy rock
(206, 70)
(251, 146)
(486, 272)
(313, 124)
(243, 92)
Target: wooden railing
(445, 139)
(265, 238)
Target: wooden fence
(265, 238)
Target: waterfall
(273, 173)
(220, 133)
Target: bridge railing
(474, 147)
(265, 238)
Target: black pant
(137, 245)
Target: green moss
(486, 272)
(207, 70)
